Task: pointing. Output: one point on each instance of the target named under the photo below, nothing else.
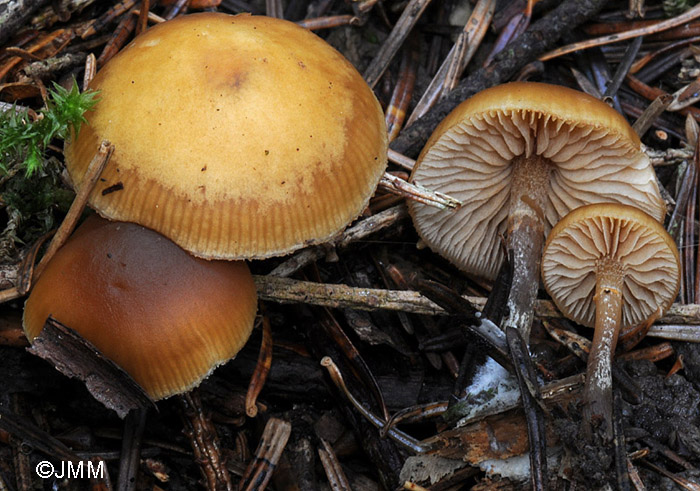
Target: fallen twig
(285, 290)
(621, 36)
(541, 36)
(359, 231)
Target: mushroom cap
(235, 136)
(642, 246)
(594, 156)
(167, 318)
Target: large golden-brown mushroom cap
(166, 317)
(623, 234)
(235, 136)
(593, 154)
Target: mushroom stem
(597, 395)
(528, 199)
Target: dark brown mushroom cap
(641, 245)
(164, 316)
(593, 154)
(235, 136)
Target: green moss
(31, 194)
(23, 140)
(673, 8)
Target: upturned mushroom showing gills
(235, 136)
(167, 318)
(520, 156)
(608, 266)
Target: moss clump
(31, 194)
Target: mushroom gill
(650, 271)
(519, 156)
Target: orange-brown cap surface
(592, 153)
(624, 235)
(235, 136)
(164, 316)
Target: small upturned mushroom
(520, 156)
(608, 266)
(167, 318)
(237, 137)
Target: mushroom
(167, 318)
(608, 266)
(519, 156)
(235, 136)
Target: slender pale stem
(597, 395)
(528, 200)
